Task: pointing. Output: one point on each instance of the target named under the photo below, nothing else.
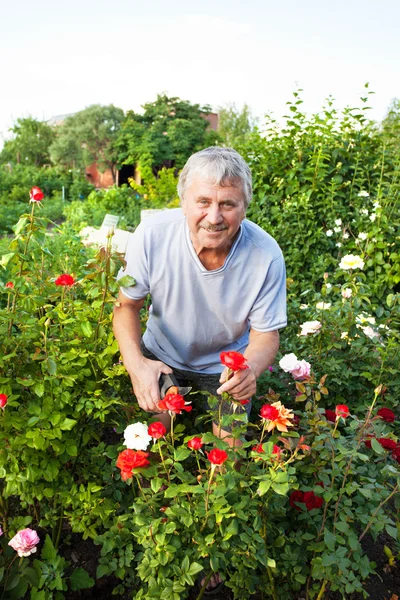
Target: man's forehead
(228, 187)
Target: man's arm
(260, 354)
(144, 373)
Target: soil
(385, 585)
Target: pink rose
(301, 370)
(25, 542)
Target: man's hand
(145, 383)
(241, 386)
(259, 354)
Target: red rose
(244, 402)
(312, 501)
(3, 400)
(233, 360)
(387, 443)
(157, 430)
(65, 280)
(9, 285)
(330, 415)
(396, 453)
(342, 411)
(384, 413)
(258, 448)
(36, 194)
(217, 456)
(277, 450)
(131, 459)
(296, 496)
(269, 412)
(195, 443)
(174, 403)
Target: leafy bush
(121, 201)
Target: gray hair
(221, 165)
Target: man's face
(213, 213)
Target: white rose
(345, 236)
(347, 293)
(323, 305)
(329, 232)
(337, 229)
(288, 362)
(364, 211)
(363, 194)
(351, 261)
(338, 221)
(372, 217)
(362, 235)
(310, 327)
(136, 436)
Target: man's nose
(214, 215)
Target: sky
(58, 58)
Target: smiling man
(217, 283)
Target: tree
(30, 143)
(89, 136)
(391, 123)
(165, 135)
(235, 125)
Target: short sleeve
(268, 312)
(136, 266)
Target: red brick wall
(99, 180)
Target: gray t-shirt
(196, 314)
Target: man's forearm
(128, 332)
(262, 350)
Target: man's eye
(203, 202)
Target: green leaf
(126, 281)
(377, 448)
(328, 560)
(48, 550)
(264, 487)
(389, 300)
(195, 568)
(67, 424)
(330, 539)
(392, 531)
(71, 448)
(181, 454)
(280, 488)
(51, 366)
(86, 328)
(156, 483)
(101, 571)
(5, 259)
(80, 580)
(38, 388)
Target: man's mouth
(214, 229)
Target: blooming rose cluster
(299, 369)
(25, 542)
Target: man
(217, 283)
